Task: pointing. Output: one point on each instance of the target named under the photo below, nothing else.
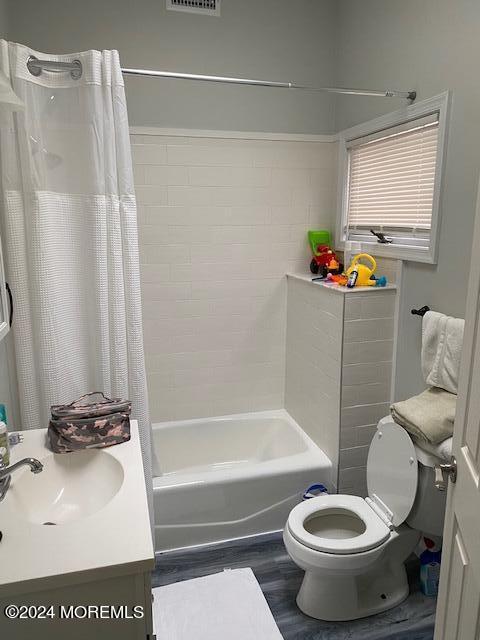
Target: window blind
(392, 179)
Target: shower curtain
(71, 237)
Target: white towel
(442, 339)
(224, 606)
(429, 417)
(442, 450)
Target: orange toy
(338, 279)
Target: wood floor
(280, 579)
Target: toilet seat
(392, 478)
(375, 533)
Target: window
(390, 175)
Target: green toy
(317, 239)
(324, 260)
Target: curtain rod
(36, 67)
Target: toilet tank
(428, 511)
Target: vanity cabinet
(76, 552)
(83, 611)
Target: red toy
(325, 261)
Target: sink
(98, 500)
(71, 487)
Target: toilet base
(347, 597)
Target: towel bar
(420, 312)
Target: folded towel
(442, 339)
(429, 416)
(442, 450)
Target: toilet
(353, 549)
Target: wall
(339, 351)
(431, 46)
(314, 363)
(272, 39)
(221, 222)
(368, 338)
(3, 19)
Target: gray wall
(430, 45)
(3, 19)
(271, 39)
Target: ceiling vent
(205, 7)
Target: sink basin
(71, 487)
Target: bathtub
(230, 477)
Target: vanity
(76, 552)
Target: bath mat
(224, 605)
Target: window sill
(395, 252)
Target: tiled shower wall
(338, 374)
(368, 345)
(221, 220)
(314, 363)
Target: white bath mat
(228, 605)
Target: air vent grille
(205, 7)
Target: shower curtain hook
(32, 67)
(77, 70)
(36, 67)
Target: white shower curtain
(71, 237)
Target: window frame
(438, 104)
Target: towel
(429, 417)
(224, 605)
(442, 450)
(442, 339)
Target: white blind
(392, 179)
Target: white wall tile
(367, 369)
(365, 433)
(166, 175)
(155, 273)
(151, 194)
(377, 305)
(220, 223)
(313, 363)
(230, 176)
(374, 393)
(364, 414)
(363, 330)
(359, 489)
(353, 457)
(366, 373)
(351, 476)
(371, 351)
(348, 437)
(164, 253)
(236, 155)
(149, 154)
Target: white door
(458, 607)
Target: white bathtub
(230, 477)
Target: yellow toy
(359, 274)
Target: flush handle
(448, 469)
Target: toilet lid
(392, 470)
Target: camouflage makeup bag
(89, 423)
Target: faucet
(5, 472)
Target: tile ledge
(305, 277)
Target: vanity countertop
(307, 277)
(109, 541)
